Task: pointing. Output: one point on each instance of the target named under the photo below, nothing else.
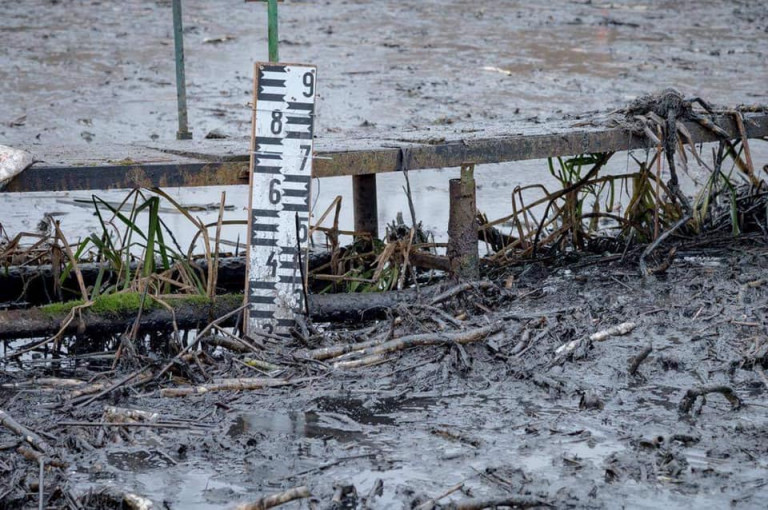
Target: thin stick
(277, 499)
(643, 266)
(458, 289)
(27, 435)
(125, 424)
(691, 395)
(118, 384)
(637, 360)
(71, 257)
(430, 504)
(518, 501)
(41, 477)
(463, 337)
(197, 339)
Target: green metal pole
(181, 88)
(272, 30)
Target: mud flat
(506, 416)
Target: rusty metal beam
(337, 161)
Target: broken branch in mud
(637, 360)
(118, 384)
(459, 289)
(692, 394)
(424, 339)
(507, 501)
(108, 497)
(114, 414)
(431, 503)
(649, 249)
(362, 362)
(243, 384)
(27, 435)
(140, 424)
(44, 382)
(620, 329)
(39, 458)
(277, 499)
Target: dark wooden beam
(206, 164)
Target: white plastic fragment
(12, 163)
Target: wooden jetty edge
(216, 163)
(221, 162)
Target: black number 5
(309, 82)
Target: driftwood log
(41, 322)
(195, 313)
(192, 312)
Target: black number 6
(274, 193)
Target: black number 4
(272, 262)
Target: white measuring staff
(278, 213)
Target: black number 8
(277, 122)
(309, 82)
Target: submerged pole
(462, 248)
(181, 87)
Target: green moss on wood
(127, 303)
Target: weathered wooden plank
(206, 164)
(62, 178)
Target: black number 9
(309, 82)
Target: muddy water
(76, 72)
(74, 67)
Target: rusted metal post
(365, 206)
(462, 248)
(181, 87)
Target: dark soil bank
(507, 416)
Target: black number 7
(306, 149)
